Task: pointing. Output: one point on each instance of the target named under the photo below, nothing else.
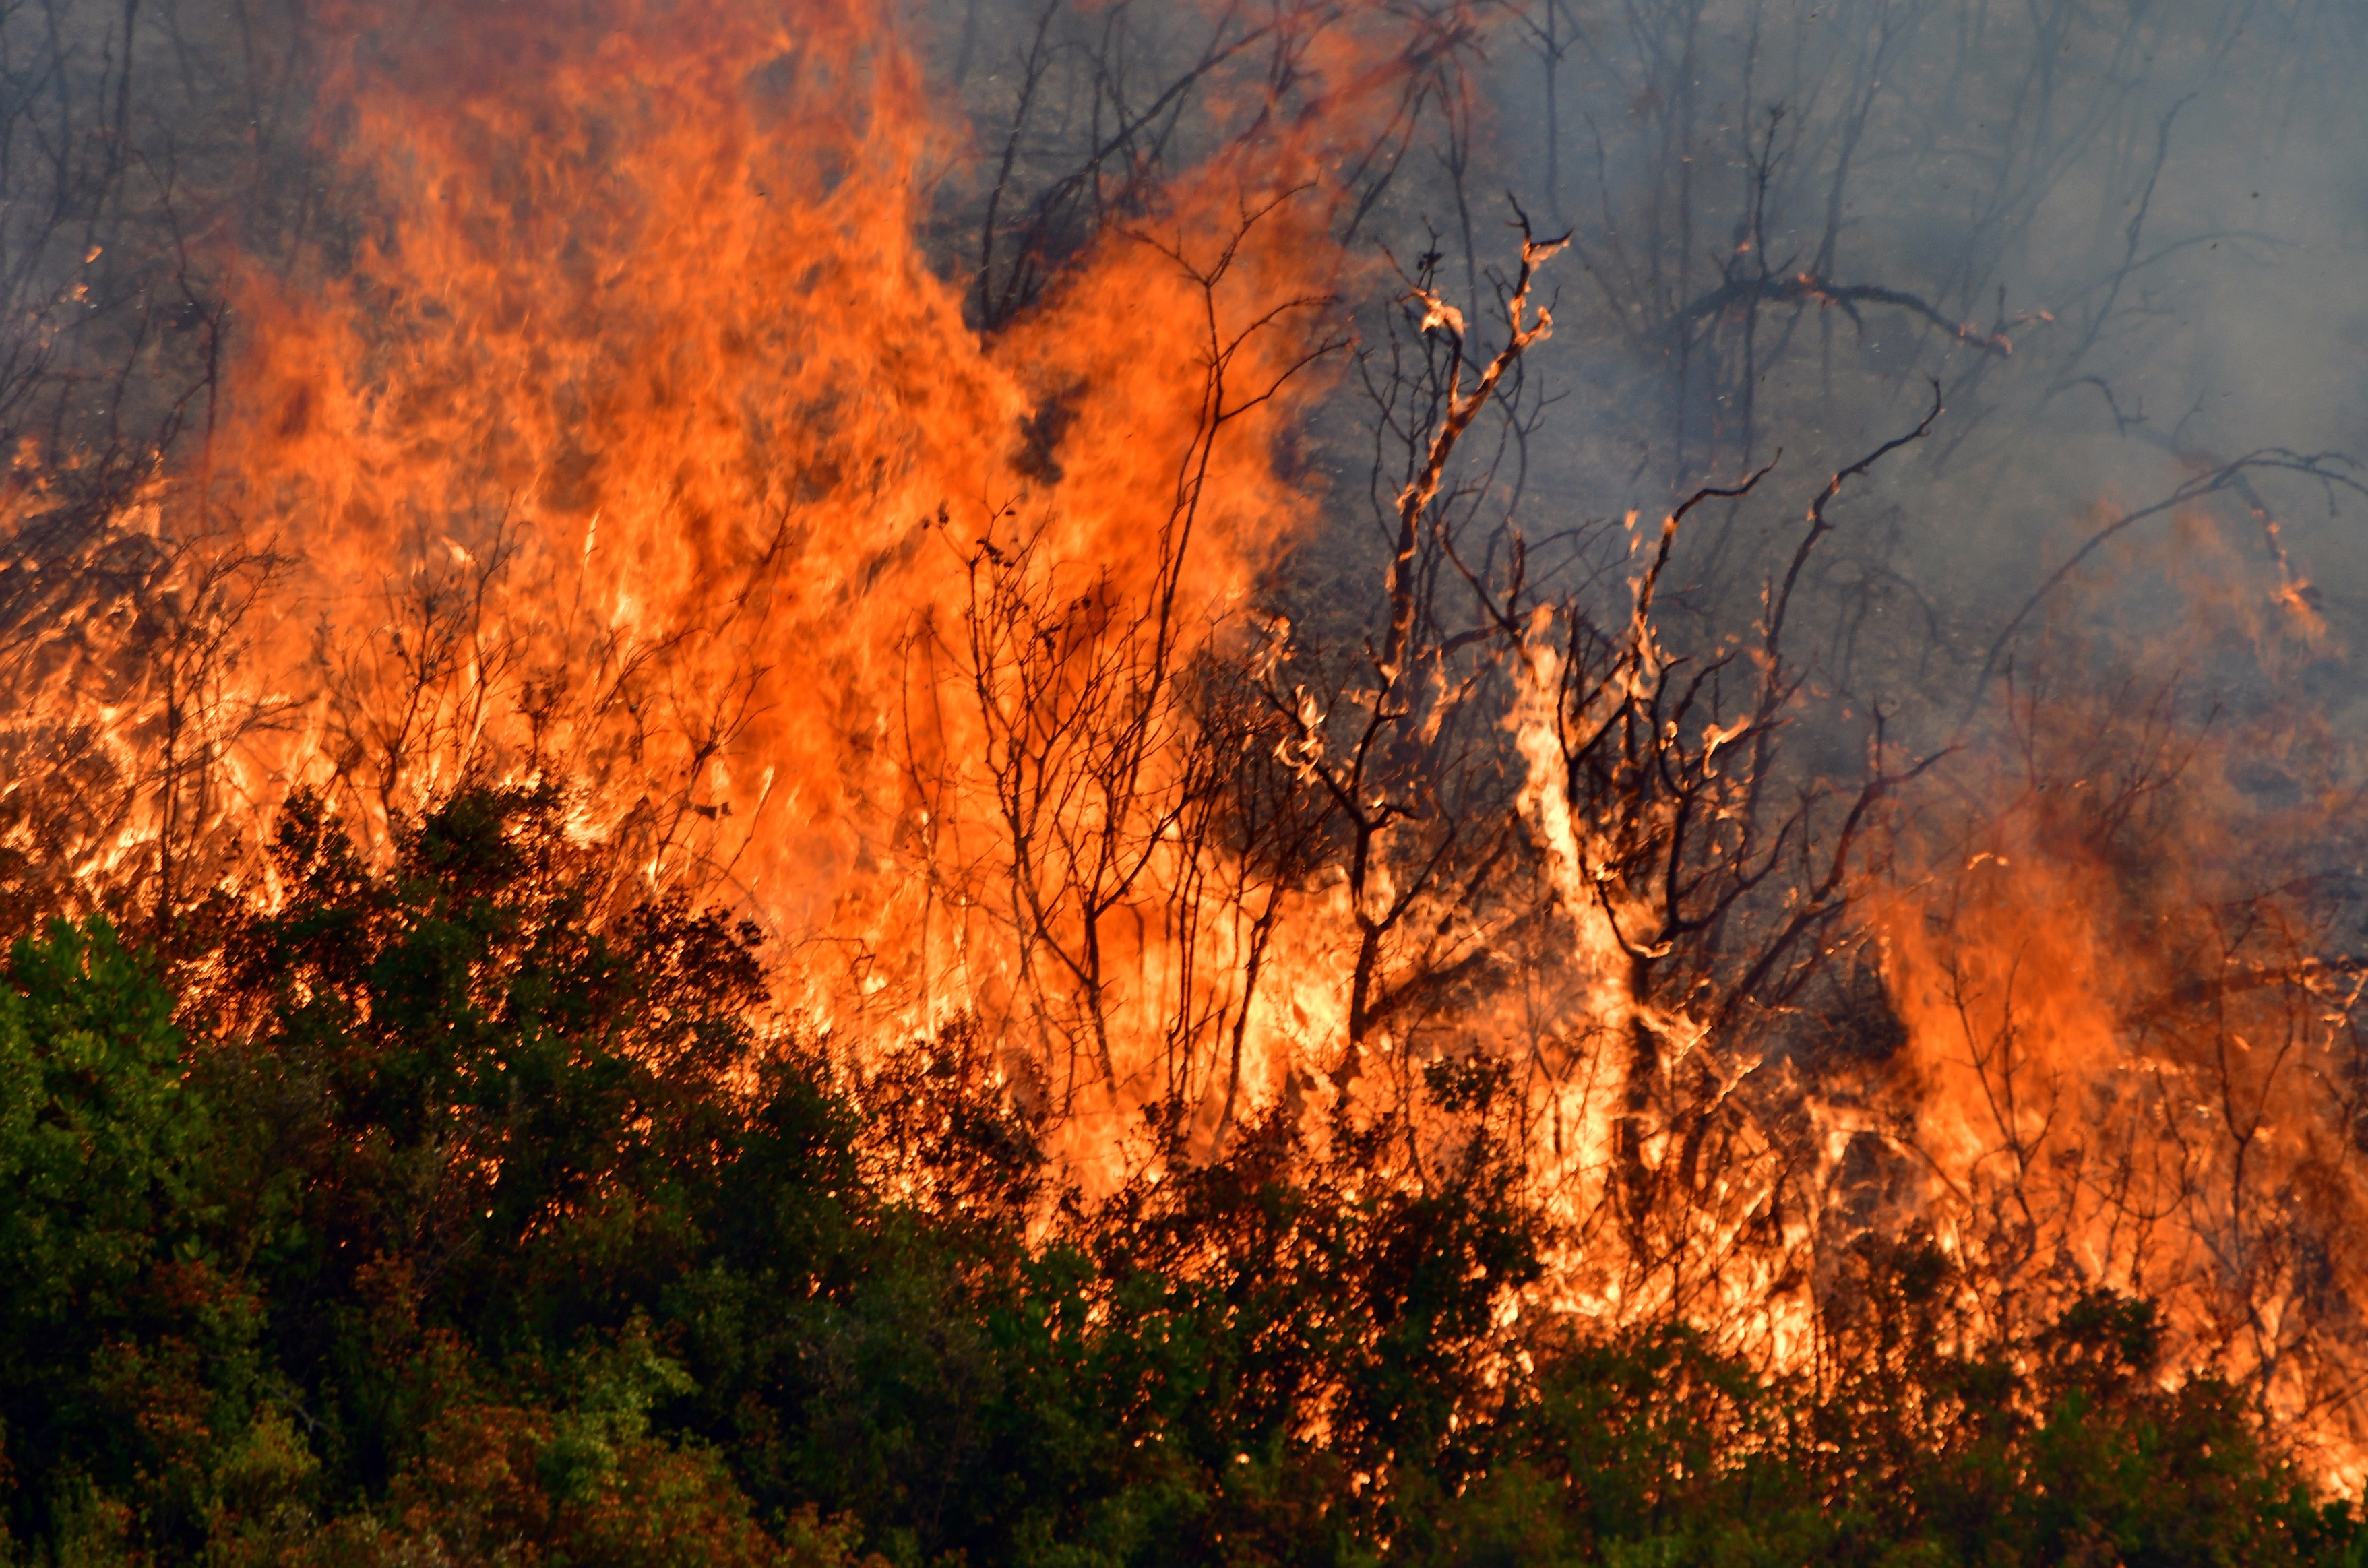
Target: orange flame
(628, 434)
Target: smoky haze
(2119, 239)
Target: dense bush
(445, 1216)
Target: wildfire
(621, 431)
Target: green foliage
(95, 1127)
(451, 1214)
(128, 1363)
